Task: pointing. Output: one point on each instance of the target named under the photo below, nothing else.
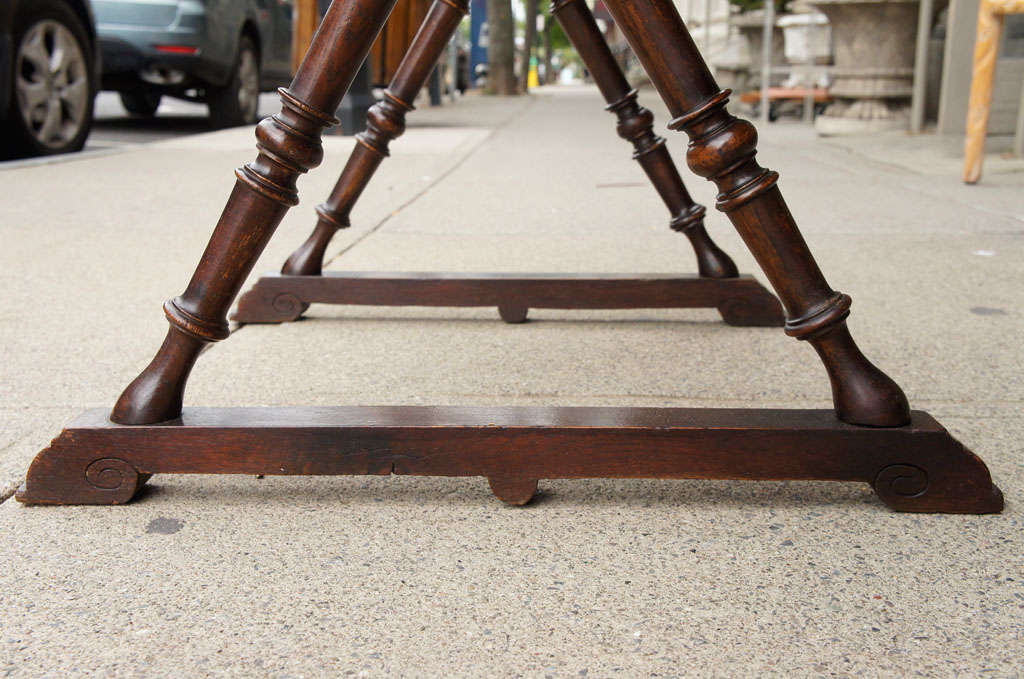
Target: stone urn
(751, 27)
(874, 65)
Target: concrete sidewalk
(403, 576)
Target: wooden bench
(819, 96)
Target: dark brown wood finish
(742, 301)
(289, 145)
(915, 468)
(636, 126)
(277, 299)
(722, 149)
(910, 460)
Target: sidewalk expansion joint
(444, 175)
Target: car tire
(237, 103)
(50, 108)
(141, 104)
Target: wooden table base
(871, 436)
(915, 468)
(278, 298)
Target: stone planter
(808, 38)
(874, 65)
(751, 27)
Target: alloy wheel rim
(51, 83)
(249, 86)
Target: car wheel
(54, 83)
(237, 103)
(141, 104)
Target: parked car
(221, 52)
(48, 76)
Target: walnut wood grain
(742, 301)
(636, 126)
(915, 468)
(289, 145)
(276, 299)
(384, 123)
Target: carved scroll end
(71, 473)
(945, 478)
(267, 303)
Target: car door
(275, 19)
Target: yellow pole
(305, 19)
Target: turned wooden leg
(285, 297)
(986, 51)
(385, 122)
(636, 126)
(289, 145)
(722, 149)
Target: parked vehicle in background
(221, 52)
(48, 76)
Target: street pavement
(432, 577)
(114, 127)
(115, 130)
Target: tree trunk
(529, 38)
(501, 76)
(549, 77)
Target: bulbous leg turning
(289, 145)
(635, 125)
(722, 149)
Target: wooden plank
(279, 298)
(918, 467)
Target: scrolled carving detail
(901, 480)
(111, 473)
(286, 303)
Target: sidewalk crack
(8, 491)
(426, 189)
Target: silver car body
(177, 45)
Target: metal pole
(453, 65)
(809, 94)
(728, 24)
(766, 57)
(1018, 137)
(924, 25)
(707, 31)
